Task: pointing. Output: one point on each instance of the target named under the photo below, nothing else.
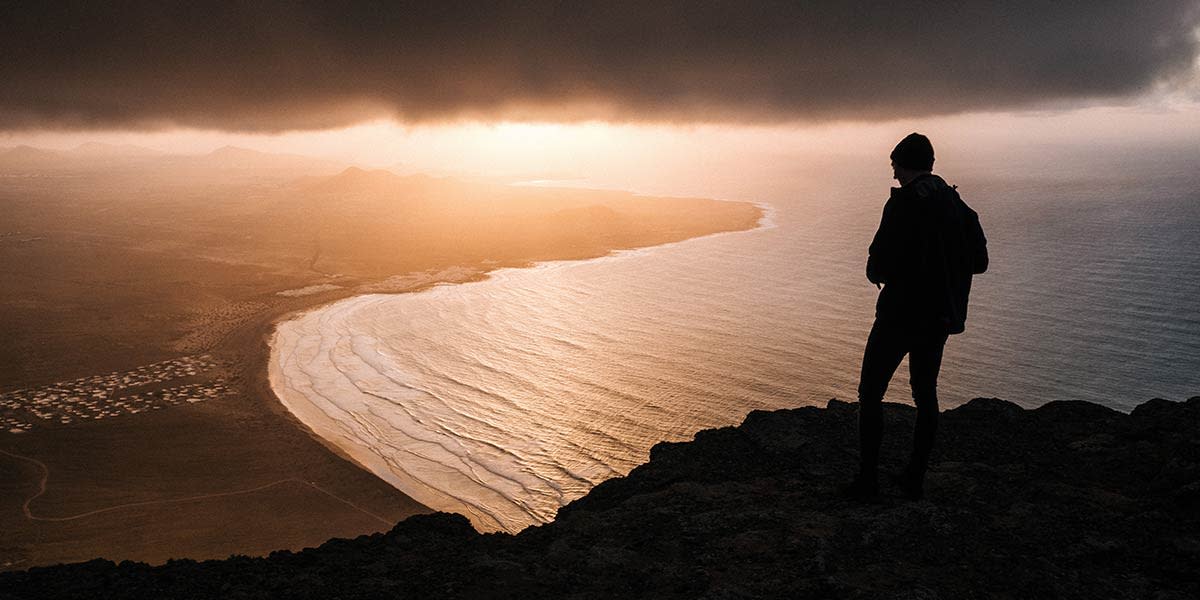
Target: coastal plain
(141, 291)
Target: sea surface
(507, 398)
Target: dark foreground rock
(1071, 500)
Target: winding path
(46, 477)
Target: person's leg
(885, 349)
(924, 363)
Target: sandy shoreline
(258, 480)
(264, 369)
(260, 365)
(302, 411)
(221, 452)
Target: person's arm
(979, 253)
(882, 253)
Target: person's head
(913, 156)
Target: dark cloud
(265, 65)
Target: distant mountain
(24, 152)
(358, 181)
(233, 157)
(94, 156)
(100, 149)
(28, 158)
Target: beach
(507, 398)
(505, 458)
(137, 380)
(231, 474)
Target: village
(111, 395)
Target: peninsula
(136, 420)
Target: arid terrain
(140, 288)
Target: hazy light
(667, 157)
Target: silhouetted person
(928, 246)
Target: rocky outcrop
(1071, 500)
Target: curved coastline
(424, 457)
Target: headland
(134, 378)
(1069, 500)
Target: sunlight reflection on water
(505, 399)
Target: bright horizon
(614, 153)
(280, 272)
(605, 93)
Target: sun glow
(668, 158)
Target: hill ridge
(1069, 500)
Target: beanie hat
(914, 152)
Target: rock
(1069, 500)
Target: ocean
(505, 399)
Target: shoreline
(345, 498)
(268, 372)
(233, 449)
(221, 499)
(259, 366)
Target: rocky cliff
(1071, 500)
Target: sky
(565, 89)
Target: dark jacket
(928, 246)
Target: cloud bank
(270, 66)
